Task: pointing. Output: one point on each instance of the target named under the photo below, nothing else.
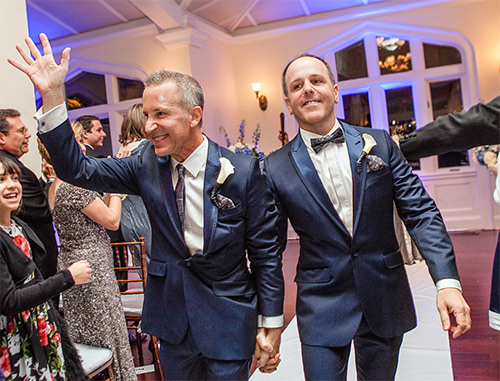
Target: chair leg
(156, 356)
(138, 335)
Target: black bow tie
(336, 137)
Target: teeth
(158, 138)
(311, 103)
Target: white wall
(16, 90)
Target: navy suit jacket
(341, 278)
(213, 292)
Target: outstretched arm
(45, 74)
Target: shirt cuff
(448, 283)
(270, 321)
(494, 319)
(51, 119)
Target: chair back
(137, 272)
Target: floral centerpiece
(240, 146)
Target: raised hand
(45, 74)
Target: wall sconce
(262, 99)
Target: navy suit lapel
(354, 143)
(165, 178)
(307, 173)
(210, 211)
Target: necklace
(12, 230)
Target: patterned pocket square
(220, 201)
(374, 163)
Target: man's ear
(288, 106)
(2, 138)
(195, 114)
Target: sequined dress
(93, 311)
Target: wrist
(122, 196)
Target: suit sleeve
(480, 125)
(14, 300)
(71, 165)
(262, 245)
(282, 220)
(421, 217)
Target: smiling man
(14, 140)
(202, 299)
(93, 134)
(351, 281)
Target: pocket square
(374, 163)
(220, 201)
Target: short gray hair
(190, 91)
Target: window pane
(129, 89)
(447, 98)
(106, 149)
(440, 55)
(357, 109)
(87, 89)
(351, 62)
(394, 55)
(401, 114)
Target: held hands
(45, 74)
(80, 271)
(267, 349)
(450, 301)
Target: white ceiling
(61, 18)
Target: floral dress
(30, 346)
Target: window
(344, 59)
(86, 90)
(390, 82)
(105, 96)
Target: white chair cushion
(93, 357)
(132, 304)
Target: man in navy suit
(203, 299)
(351, 280)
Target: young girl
(34, 343)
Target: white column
(16, 90)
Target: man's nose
(308, 88)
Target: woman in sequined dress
(93, 312)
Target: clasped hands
(267, 349)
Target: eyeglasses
(22, 130)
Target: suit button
(356, 253)
(188, 263)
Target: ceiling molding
(134, 29)
(166, 14)
(181, 37)
(319, 19)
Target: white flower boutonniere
(226, 169)
(369, 144)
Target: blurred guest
(94, 312)
(14, 139)
(34, 343)
(135, 220)
(480, 125)
(92, 134)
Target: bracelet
(122, 196)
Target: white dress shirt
(334, 170)
(194, 180)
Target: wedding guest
(135, 220)
(351, 281)
(210, 209)
(93, 312)
(34, 343)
